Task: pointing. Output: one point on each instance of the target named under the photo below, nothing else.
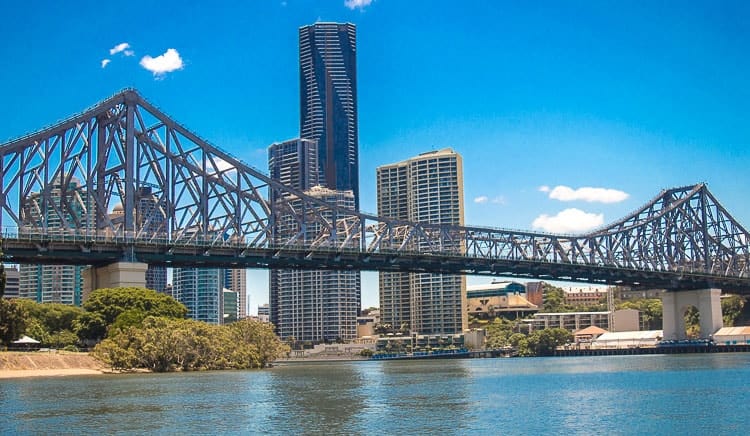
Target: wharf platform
(672, 349)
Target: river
(658, 394)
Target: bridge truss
(124, 181)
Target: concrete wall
(676, 303)
(116, 275)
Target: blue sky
(541, 100)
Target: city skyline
(541, 101)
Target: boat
(419, 355)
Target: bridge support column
(115, 275)
(676, 303)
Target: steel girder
(124, 180)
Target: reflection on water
(676, 394)
(323, 397)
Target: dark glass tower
(328, 101)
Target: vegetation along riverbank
(139, 329)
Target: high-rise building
(201, 291)
(231, 304)
(328, 101)
(235, 280)
(319, 305)
(315, 305)
(427, 188)
(264, 313)
(12, 277)
(63, 208)
(294, 163)
(151, 221)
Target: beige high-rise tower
(426, 188)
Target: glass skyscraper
(201, 291)
(328, 101)
(323, 163)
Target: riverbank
(15, 364)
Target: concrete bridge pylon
(676, 303)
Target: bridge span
(123, 181)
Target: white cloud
(120, 47)
(568, 221)
(164, 63)
(483, 199)
(129, 53)
(105, 62)
(354, 4)
(591, 195)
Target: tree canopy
(166, 344)
(110, 303)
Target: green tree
(129, 318)
(111, 302)
(650, 311)
(12, 321)
(731, 308)
(167, 344)
(90, 327)
(554, 299)
(54, 317)
(3, 277)
(37, 330)
(547, 340)
(256, 335)
(62, 339)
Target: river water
(659, 394)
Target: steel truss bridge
(123, 181)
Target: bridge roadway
(99, 250)
(131, 172)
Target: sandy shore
(47, 364)
(24, 373)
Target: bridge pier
(676, 303)
(114, 275)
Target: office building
(236, 281)
(328, 101)
(231, 306)
(55, 283)
(201, 291)
(264, 313)
(427, 188)
(12, 277)
(499, 298)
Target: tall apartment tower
(426, 188)
(328, 101)
(151, 220)
(294, 163)
(308, 305)
(12, 277)
(316, 305)
(235, 280)
(201, 291)
(55, 283)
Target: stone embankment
(42, 363)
